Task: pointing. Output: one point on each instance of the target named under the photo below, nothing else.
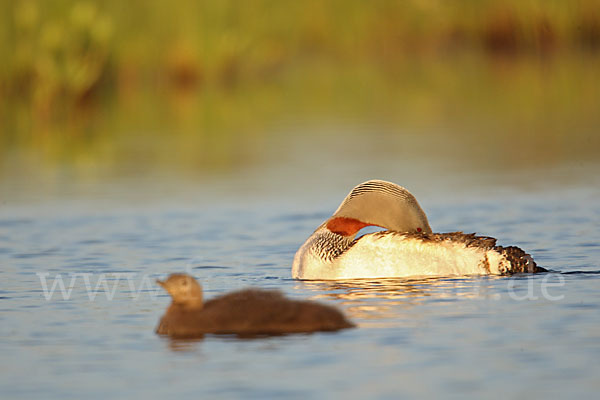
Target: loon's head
(184, 290)
(378, 203)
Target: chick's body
(246, 312)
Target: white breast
(378, 256)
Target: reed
(112, 85)
(72, 50)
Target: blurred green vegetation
(202, 83)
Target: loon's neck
(328, 245)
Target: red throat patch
(345, 226)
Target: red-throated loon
(407, 248)
(245, 312)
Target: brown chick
(247, 312)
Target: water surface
(479, 336)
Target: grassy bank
(72, 51)
(110, 86)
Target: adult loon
(407, 248)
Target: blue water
(524, 337)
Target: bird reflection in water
(380, 302)
(183, 345)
